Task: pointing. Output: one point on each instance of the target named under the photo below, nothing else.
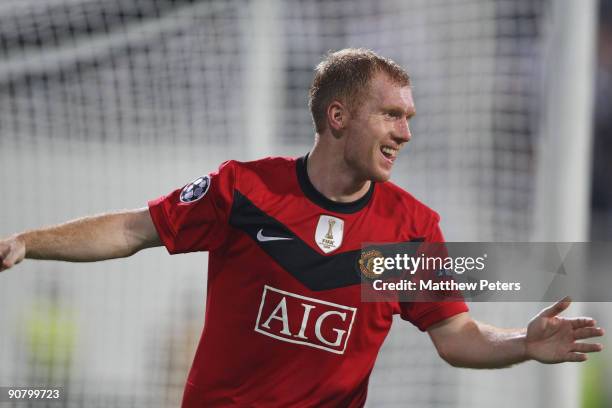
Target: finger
(587, 347)
(557, 308)
(588, 332)
(576, 357)
(4, 265)
(578, 322)
(4, 250)
(5, 262)
(12, 259)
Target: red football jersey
(285, 325)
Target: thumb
(557, 308)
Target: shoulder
(267, 174)
(398, 203)
(261, 166)
(267, 164)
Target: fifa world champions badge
(329, 232)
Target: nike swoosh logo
(262, 238)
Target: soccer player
(285, 325)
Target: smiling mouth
(389, 152)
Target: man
(285, 325)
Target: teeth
(388, 150)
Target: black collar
(315, 196)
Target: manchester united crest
(366, 263)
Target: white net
(105, 104)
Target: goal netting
(106, 104)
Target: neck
(332, 176)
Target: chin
(380, 176)
(376, 172)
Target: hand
(12, 251)
(552, 339)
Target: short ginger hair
(345, 75)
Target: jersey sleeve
(195, 217)
(425, 314)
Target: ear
(337, 116)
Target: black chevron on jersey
(315, 271)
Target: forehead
(385, 92)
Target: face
(378, 129)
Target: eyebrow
(399, 111)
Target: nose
(402, 133)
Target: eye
(393, 115)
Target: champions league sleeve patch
(195, 190)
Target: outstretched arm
(549, 338)
(107, 236)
